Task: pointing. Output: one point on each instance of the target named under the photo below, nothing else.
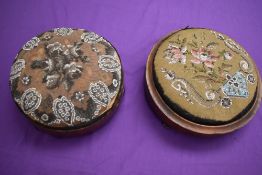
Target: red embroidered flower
(176, 54)
(203, 56)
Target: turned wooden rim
(174, 119)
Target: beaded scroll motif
(202, 59)
(61, 68)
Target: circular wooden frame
(171, 118)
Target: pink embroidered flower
(176, 54)
(203, 56)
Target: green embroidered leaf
(211, 44)
(195, 43)
(207, 79)
(190, 44)
(201, 77)
(225, 66)
(195, 36)
(184, 41)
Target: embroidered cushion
(203, 77)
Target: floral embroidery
(61, 66)
(30, 100)
(17, 68)
(206, 69)
(226, 102)
(64, 109)
(31, 44)
(203, 56)
(176, 54)
(99, 92)
(91, 37)
(63, 31)
(109, 63)
(26, 80)
(79, 96)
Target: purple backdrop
(134, 141)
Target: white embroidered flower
(63, 31)
(31, 43)
(26, 80)
(80, 96)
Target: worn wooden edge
(169, 117)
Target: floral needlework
(176, 54)
(210, 62)
(199, 57)
(26, 80)
(79, 96)
(203, 56)
(61, 67)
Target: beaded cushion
(66, 78)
